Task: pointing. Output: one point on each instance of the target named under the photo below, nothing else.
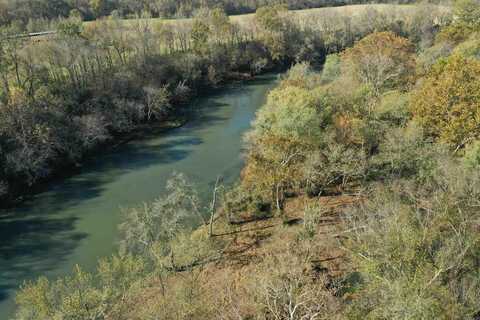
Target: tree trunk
(277, 195)
(214, 203)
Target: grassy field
(350, 11)
(315, 19)
(332, 22)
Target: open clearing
(306, 14)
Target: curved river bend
(76, 221)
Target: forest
(29, 13)
(63, 97)
(360, 194)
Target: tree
(447, 104)
(98, 7)
(200, 35)
(286, 128)
(381, 60)
(157, 102)
(161, 221)
(467, 12)
(32, 138)
(333, 165)
(82, 295)
(93, 130)
(274, 29)
(417, 248)
(466, 22)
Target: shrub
(404, 153)
(331, 68)
(418, 248)
(312, 216)
(3, 188)
(472, 155)
(333, 165)
(429, 57)
(393, 108)
(240, 201)
(470, 48)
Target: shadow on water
(135, 155)
(33, 245)
(35, 237)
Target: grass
(245, 20)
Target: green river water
(75, 221)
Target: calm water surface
(76, 221)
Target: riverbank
(254, 253)
(75, 220)
(90, 100)
(63, 172)
(65, 168)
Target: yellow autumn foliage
(447, 104)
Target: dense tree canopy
(447, 103)
(285, 128)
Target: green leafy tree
(332, 68)
(274, 29)
(286, 128)
(466, 22)
(70, 27)
(83, 295)
(467, 12)
(220, 26)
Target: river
(75, 221)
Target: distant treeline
(29, 12)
